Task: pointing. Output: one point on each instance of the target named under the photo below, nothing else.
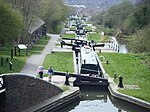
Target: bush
(140, 41)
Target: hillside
(92, 7)
(94, 4)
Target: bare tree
(30, 9)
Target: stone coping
(57, 102)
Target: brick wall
(23, 91)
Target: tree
(140, 41)
(30, 9)
(54, 13)
(10, 23)
(119, 13)
(115, 16)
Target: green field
(60, 61)
(133, 70)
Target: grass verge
(5, 57)
(133, 71)
(68, 35)
(18, 61)
(60, 61)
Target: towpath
(35, 60)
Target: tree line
(130, 20)
(17, 16)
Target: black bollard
(2, 61)
(61, 45)
(67, 79)
(118, 50)
(12, 51)
(84, 61)
(107, 62)
(10, 65)
(100, 51)
(115, 75)
(120, 82)
(101, 74)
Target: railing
(2, 85)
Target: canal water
(101, 101)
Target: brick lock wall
(23, 91)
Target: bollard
(10, 65)
(107, 62)
(84, 61)
(12, 51)
(100, 51)
(67, 79)
(61, 45)
(120, 82)
(115, 75)
(118, 50)
(101, 74)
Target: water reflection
(101, 101)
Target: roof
(37, 23)
(88, 55)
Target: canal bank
(113, 87)
(113, 91)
